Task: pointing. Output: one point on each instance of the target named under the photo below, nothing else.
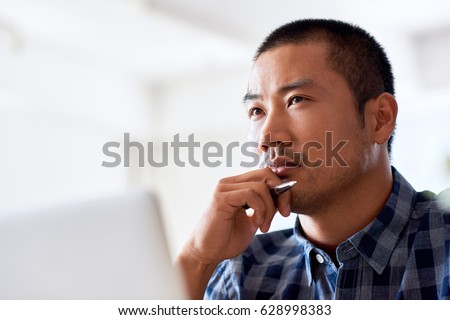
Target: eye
(255, 112)
(296, 99)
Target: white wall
(77, 74)
(56, 111)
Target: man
(321, 105)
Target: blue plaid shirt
(403, 254)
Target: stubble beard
(327, 186)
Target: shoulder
(427, 204)
(419, 207)
(431, 215)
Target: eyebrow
(250, 96)
(297, 84)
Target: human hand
(226, 229)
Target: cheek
(356, 149)
(342, 125)
(332, 138)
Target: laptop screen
(109, 248)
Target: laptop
(108, 248)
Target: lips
(282, 165)
(286, 162)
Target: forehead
(288, 63)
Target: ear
(381, 116)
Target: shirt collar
(376, 242)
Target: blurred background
(76, 74)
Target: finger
(269, 212)
(254, 201)
(269, 209)
(261, 188)
(259, 181)
(283, 203)
(239, 197)
(254, 195)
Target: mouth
(282, 166)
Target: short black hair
(353, 53)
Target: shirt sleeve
(216, 288)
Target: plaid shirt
(403, 254)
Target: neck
(353, 210)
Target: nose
(275, 136)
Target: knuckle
(259, 206)
(251, 193)
(223, 181)
(219, 188)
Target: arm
(225, 230)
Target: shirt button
(319, 258)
